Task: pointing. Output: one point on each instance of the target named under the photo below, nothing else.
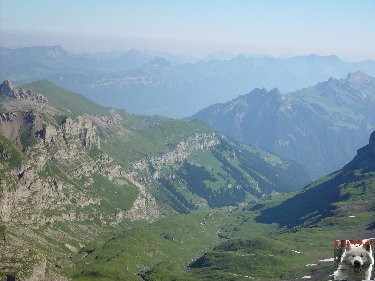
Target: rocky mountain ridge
(304, 124)
(7, 88)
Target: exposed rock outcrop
(14, 98)
(48, 134)
(83, 128)
(4, 153)
(144, 206)
(7, 88)
(180, 153)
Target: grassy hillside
(299, 230)
(173, 240)
(285, 253)
(72, 103)
(239, 247)
(343, 191)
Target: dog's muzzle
(357, 267)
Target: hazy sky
(194, 27)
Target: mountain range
(152, 83)
(73, 171)
(89, 192)
(320, 127)
(94, 193)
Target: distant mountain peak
(337, 109)
(315, 57)
(258, 91)
(56, 51)
(51, 51)
(274, 91)
(262, 92)
(157, 62)
(358, 76)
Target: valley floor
(221, 244)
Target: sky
(194, 27)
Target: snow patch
(327, 260)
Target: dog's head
(358, 255)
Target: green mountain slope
(74, 172)
(344, 192)
(298, 243)
(320, 127)
(69, 102)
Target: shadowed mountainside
(320, 127)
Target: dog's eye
(361, 256)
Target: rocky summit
(7, 88)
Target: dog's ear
(348, 244)
(367, 244)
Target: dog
(356, 261)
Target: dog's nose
(357, 264)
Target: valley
(187, 140)
(93, 193)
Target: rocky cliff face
(179, 154)
(149, 169)
(7, 88)
(41, 186)
(82, 128)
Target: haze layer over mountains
(152, 83)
